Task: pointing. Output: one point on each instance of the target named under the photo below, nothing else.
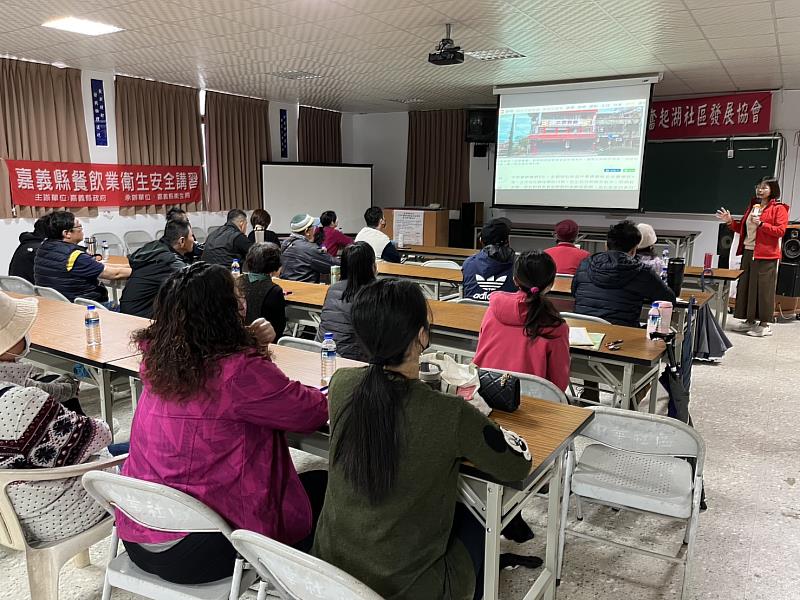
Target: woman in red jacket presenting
(760, 232)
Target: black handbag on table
(499, 390)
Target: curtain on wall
(237, 140)
(319, 135)
(157, 124)
(437, 168)
(41, 118)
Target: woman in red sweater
(760, 232)
(522, 331)
(328, 236)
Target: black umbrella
(710, 343)
(673, 381)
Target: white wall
(381, 139)
(786, 120)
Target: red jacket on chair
(774, 219)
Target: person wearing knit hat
(565, 253)
(301, 258)
(646, 252)
(49, 511)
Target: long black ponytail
(535, 271)
(387, 317)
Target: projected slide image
(568, 131)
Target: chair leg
(42, 575)
(262, 591)
(236, 580)
(578, 508)
(113, 549)
(82, 560)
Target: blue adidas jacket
(489, 270)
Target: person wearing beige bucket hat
(39, 432)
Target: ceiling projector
(447, 53)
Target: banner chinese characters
(715, 116)
(40, 183)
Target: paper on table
(578, 336)
(597, 339)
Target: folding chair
(637, 462)
(160, 508)
(536, 387)
(470, 301)
(46, 292)
(136, 239)
(116, 247)
(199, 234)
(455, 289)
(87, 302)
(18, 285)
(300, 344)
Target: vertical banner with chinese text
(40, 183)
(715, 116)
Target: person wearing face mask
(760, 230)
(45, 434)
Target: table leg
(726, 297)
(553, 525)
(491, 560)
(436, 289)
(136, 389)
(654, 394)
(627, 385)
(106, 398)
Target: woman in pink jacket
(211, 422)
(522, 331)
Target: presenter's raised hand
(723, 214)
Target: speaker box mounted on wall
(482, 126)
(791, 244)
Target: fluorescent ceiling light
(81, 26)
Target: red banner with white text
(58, 184)
(714, 116)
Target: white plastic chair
(87, 302)
(212, 229)
(295, 575)
(46, 292)
(199, 234)
(300, 344)
(116, 247)
(536, 387)
(12, 283)
(638, 463)
(580, 317)
(453, 288)
(159, 234)
(134, 240)
(470, 301)
(44, 561)
(160, 508)
(442, 264)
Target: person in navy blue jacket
(490, 269)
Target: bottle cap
(90, 307)
(654, 305)
(328, 336)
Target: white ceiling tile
(216, 25)
(261, 18)
(357, 24)
(306, 32)
(742, 42)
(789, 24)
(15, 17)
(763, 52)
(314, 10)
(162, 11)
(391, 39)
(412, 17)
(119, 18)
(787, 8)
(700, 4)
(753, 28)
(741, 13)
(215, 7)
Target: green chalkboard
(698, 177)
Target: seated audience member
(391, 516)
(228, 242)
(566, 254)
(176, 213)
(613, 285)
(328, 235)
(65, 266)
(490, 269)
(24, 256)
(646, 252)
(523, 331)
(211, 422)
(373, 234)
(358, 270)
(260, 221)
(40, 433)
(301, 258)
(153, 264)
(264, 297)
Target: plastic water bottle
(328, 357)
(236, 270)
(653, 319)
(664, 263)
(92, 321)
(104, 246)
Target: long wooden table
(425, 275)
(455, 328)
(438, 252)
(54, 339)
(720, 281)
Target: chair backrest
(12, 283)
(153, 505)
(87, 302)
(470, 301)
(644, 433)
(536, 387)
(116, 247)
(442, 264)
(135, 239)
(46, 292)
(212, 229)
(295, 574)
(199, 234)
(580, 317)
(159, 234)
(300, 344)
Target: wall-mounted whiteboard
(292, 188)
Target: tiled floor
(748, 544)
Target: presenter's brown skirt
(755, 293)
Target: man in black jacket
(613, 285)
(228, 242)
(153, 264)
(22, 262)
